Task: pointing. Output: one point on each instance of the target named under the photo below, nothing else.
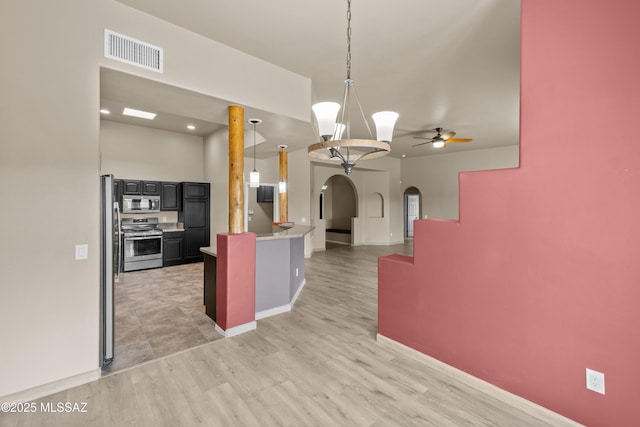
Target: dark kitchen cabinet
(172, 248)
(194, 213)
(169, 196)
(131, 187)
(195, 238)
(151, 188)
(195, 190)
(135, 187)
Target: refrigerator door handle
(116, 207)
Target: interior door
(413, 211)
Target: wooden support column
(284, 176)
(236, 169)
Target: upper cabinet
(134, 187)
(169, 196)
(150, 188)
(131, 187)
(173, 195)
(195, 190)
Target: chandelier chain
(348, 39)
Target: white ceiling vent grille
(132, 51)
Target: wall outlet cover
(82, 252)
(595, 381)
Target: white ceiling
(439, 63)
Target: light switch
(82, 252)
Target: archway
(412, 209)
(338, 205)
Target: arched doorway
(338, 205)
(412, 209)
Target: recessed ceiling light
(138, 113)
(191, 127)
(404, 155)
(104, 111)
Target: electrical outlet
(595, 381)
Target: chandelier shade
(326, 115)
(385, 121)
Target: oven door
(142, 248)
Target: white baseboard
(283, 308)
(547, 415)
(273, 311)
(295, 297)
(53, 387)
(236, 330)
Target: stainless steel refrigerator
(110, 265)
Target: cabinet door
(194, 239)
(196, 213)
(132, 187)
(169, 196)
(197, 190)
(151, 188)
(173, 248)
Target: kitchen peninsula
(279, 271)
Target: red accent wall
(540, 277)
(235, 279)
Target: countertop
(288, 233)
(168, 227)
(209, 250)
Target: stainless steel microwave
(140, 204)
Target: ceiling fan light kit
(441, 140)
(331, 129)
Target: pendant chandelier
(254, 176)
(332, 129)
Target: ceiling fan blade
(459, 140)
(422, 143)
(423, 137)
(448, 135)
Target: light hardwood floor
(317, 365)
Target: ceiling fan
(441, 139)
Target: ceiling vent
(131, 51)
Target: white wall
(437, 176)
(137, 152)
(49, 168)
(216, 172)
(50, 190)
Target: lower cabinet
(172, 248)
(195, 238)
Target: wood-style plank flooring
(319, 365)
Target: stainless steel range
(141, 243)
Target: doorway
(338, 205)
(412, 203)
